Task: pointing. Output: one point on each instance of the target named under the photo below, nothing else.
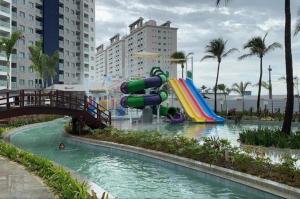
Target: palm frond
(230, 51)
(273, 47)
(218, 2)
(264, 39)
(208, 57)
(246, 56)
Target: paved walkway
(17, 183)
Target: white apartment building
(121, 61)
(100, 65)
(5, 30)
(67, 26)
(153, 38)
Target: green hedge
(270, 137)
(55, 177)
(210, 150)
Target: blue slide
(202, 103)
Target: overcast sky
(198, 21)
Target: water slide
(201, 101)
(194, 106)
(137, 98)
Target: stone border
(91, 185)
(265, 185)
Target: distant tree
(216, 49)
(226, 91)
(257, 47)
(240, 88)
(7, 45)
(179, 58)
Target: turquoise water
(126, 175)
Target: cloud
(199, 21)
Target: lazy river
(126, 175)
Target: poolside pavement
(16, 182)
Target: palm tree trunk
(243, 103)
(182, 71)
(216, 86)
(289, 108)
(226, 109)
(259, 86)
(8, 75)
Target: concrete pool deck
(17, 182)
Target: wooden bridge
(74, 104)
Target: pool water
(127, 175)
(191, 130)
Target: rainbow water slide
(196, 109)
(201, 101)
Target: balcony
(4, 24)
(86, 59)
(86, 50)
(5, 9)
(3, 69)
(86, 39)
(3, 83)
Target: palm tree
(289, 108)
(240, 89)
(266, 86)
(39, 60)
(226, 91)
(7, 45)
(44, 65)
(51, 65)
(257, 47)
(179, 58)
(216, 49)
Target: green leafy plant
(270, 137)
(55, 177)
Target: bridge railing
(57, 99)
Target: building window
(22, 14)
(21, 82)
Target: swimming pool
(128, 175)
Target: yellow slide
(184, 102)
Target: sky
(199, 21)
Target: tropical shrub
(55, 177)
(270, 138)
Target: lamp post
(270, 87)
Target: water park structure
(191, 100)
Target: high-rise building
(150, 38)
(67, 26)
(121, 60)
(100, 66)
(5, 30)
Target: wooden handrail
(56, 99)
